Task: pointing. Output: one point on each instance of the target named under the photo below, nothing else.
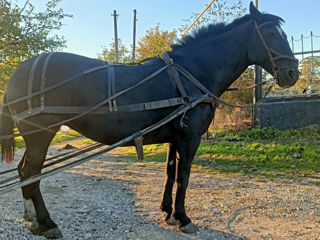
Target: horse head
(269, 48)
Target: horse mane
(219, 28)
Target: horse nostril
(292, 74)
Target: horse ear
(254, 13)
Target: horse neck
(218, 61)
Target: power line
(293, 5)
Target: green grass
(256, 158)
(265, 152)
(152, 153)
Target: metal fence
(297, 106)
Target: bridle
(273, 54)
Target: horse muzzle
(287, 77)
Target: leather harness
(111, 91)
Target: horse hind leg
(29, 213)
(31, 164)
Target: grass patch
(260, 158)
(152, 153)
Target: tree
(110, 54)
(25, 33)
(219, 11)
(310, 73)
(155, 42)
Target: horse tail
(6, 131)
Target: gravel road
(115, 198)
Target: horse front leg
(166, 203)
(186, 150)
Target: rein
(249, 87)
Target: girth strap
(171, 102)
(174, 75)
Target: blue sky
(92, 24)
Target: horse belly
(110, 128)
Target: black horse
(216, 55)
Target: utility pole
(134, 35)
(257, 74)
(115, 35)
(257, 80)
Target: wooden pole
(257, 73)
(257, 80)
(134, 35)
(115, 35)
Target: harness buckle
(276, 69)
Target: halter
(273, 54)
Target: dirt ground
(116, 198)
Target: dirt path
(111, 199)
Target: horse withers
(216, 56)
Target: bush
(260, 133)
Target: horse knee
(182, 183)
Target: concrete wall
(289, 112)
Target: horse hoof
(35, 228)
(171, 221)
(189, 228)
(52, 233)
